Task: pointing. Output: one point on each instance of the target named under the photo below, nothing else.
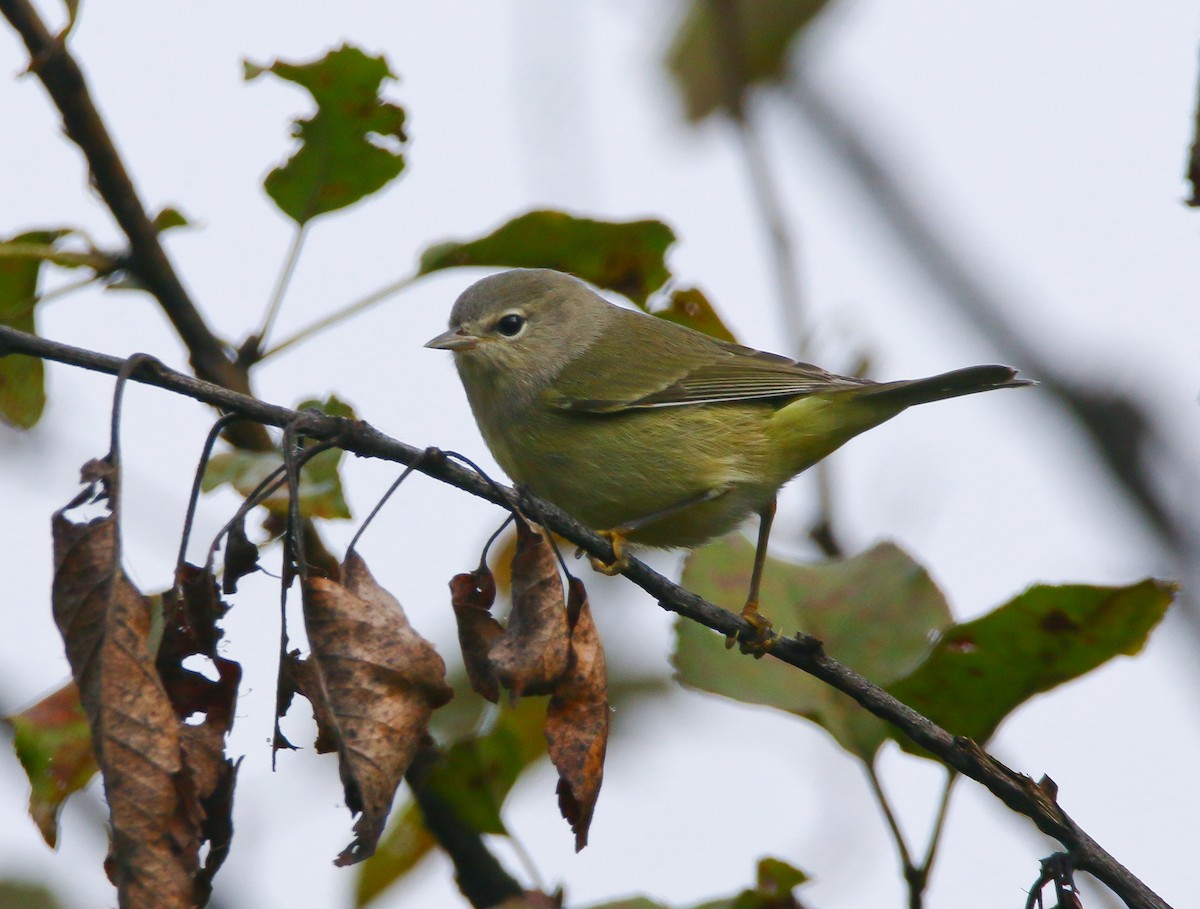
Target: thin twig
(939, 824)
(281, 286)
(346, 312)
(60, 74)
(1016, 790)
(889, 816)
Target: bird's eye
(510, 325)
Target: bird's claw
(616, 539)
(756, 640)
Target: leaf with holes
(351, 147)
(154, 810)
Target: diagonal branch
(64, 81)
(1016, 790)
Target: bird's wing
(658, 365)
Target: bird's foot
(754, 641)
(616, 539)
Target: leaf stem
(943, 809)
(889, 816)
(340, 315)
(282, 282)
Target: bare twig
(1016, 790)
(281, 285)
(348, 311)
(60, 74)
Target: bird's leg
(760, 623)
(617, 536)
(616, 539)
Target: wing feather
(652, 363)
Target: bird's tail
(947, 385)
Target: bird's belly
(704, 470)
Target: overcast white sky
(1049, 138)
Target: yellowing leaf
(714, 54)
(54, 746)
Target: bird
(648, 431)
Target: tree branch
(64, 81)
(1017, 791)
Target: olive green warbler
(647, 430)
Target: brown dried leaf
(241, 556)
(382, 681)
(472, 595)
(304, 678)
(105, 623)
(190, 614)
(577, 719)
(532, 655)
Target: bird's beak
(455, 339)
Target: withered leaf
(190, 614)
(241, 557)
(154, 808)
(471, 595)
(532, 655)
(304, 678)
(577, 719)
(550, 646)
(382, 681)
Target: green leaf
(474, 778)
(706, 70)
(27, 895)
(476, 775)
(352, 146)
(54, 745)
(321, 494)
(776, 880)
(625, 256)
(402, 848)
(22, 379)
(169, 218)
(981, 671)
(689, 306)
(778, 876)
(875, 612)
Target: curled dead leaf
(550, 646)
(577, 719)
(105, 623)
(381, 682)
(532, 655)
(472, 594)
